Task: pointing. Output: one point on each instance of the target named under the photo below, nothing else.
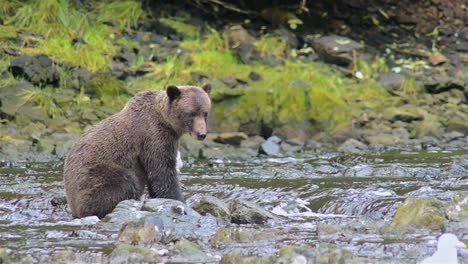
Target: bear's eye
(192, 114)
(205, 115)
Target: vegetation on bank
(91, 36)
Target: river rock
(237, 258)
(418, 212)
(143, 232)
(189, 252)
(458, 124)
(336, 49)
(255, 76)
(181, 220)
(330, 253)
(430, 126)
(406, 114)
(230, 138)
(243, 44)
(4, 256)
(440, 83)
(391, 81)
(206, 204)
(271, 147)
(37, 69)
(243, 212)
(352, 146)
(227, 236)
(124, 253)
(437, 58)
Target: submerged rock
(418, 212)
(243, 212)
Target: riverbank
(375, 77)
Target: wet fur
(134, 148)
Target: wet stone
(189, 252)
(143, 232)
(230, 138)
(243, 212)
(124, 253)
(237, 258)
(420, 213)
(271, 147)
(205, 204)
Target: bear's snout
(201, 136)
(199, 129)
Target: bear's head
(188, 109)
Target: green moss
(420, 213)
(269, 44)
(179, 24)
(104, 85)
(124, 14)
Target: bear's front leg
(159, 162)
(163, 183)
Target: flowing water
(308, 191)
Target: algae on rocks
(420, 212)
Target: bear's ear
(207, 88)
(173, 92)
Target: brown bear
(134, 148)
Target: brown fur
(134, 148)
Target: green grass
(181, 26)
(43, 98)
(124, 14)
(95, 55)
(49, 17)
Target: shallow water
(361, 192)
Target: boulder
(420, 212)
(143, 232)
(439, 83)
(391, 81)
(352, 146)
(336, 49)
(271, 147)
(243, 44)
(230, 138)
(243, 212)
(189, 252)
(124, 253)
(237, 258)
(37, 69)
(205, 204)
